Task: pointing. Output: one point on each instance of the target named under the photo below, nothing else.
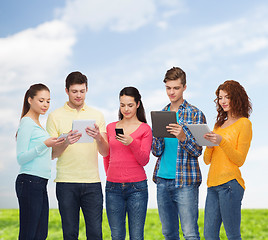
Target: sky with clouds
(120, 43)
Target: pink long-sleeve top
(125, 163)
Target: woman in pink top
(126, 187)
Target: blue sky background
(120, 43)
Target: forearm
(158, 146)
(208, 155)
(58, 150)
(237, 156)
(141, 153)
(103, 146)
(27, 156)
(106, 162)
(191, 147)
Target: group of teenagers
(177, 173)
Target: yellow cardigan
(231, 153)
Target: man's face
(77, 95)
(175, 89)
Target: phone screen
(119, 131)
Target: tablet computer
(81, 125)
(161, 119)
(198, 131)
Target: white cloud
(117, 15)
(9, 117)
(34, 55)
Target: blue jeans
(33, 203)
(177, 203)
(223, 204)
(87, 196)
(130, 198)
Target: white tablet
(198, 131)
(81, 125)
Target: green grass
(254, 225)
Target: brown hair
(75, 78)
(240, 103)
(31, 92)
(175, 73)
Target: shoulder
(111, 125)
(26, 122)
(57, 112)
(245, 122)
(192, 108)
(194, 112)
(146, 127)
(26, 126)
(93, 111)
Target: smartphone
(119, 131)
(63, 135)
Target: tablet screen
(161, 119)
(81, 125)
(198, 131)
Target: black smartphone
(119, 131)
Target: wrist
(182, 137)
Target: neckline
(233, 123)
(134, 130)
(35, 123)
(74, 109)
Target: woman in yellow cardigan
(232, 133)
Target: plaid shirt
(187, 166)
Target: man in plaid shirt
(177, 173)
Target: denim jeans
(33, 204)
(177, 203)
(87, 196)
(130, 198)
(223, 204)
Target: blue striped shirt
(187, 166)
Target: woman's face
(128, 107)
(224, 101)
(40, 102)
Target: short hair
(239, 101)
(175, 73)
(75, 78)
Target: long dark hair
(31, 92)
(133, 92)
(239, 101)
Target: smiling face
(128, 107)
(224, 101)
(175, 89)
(77, 95)
(40, 103)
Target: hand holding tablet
(81, 125)
(198, 131)
(160, 121)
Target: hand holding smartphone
(119, 131)
(63, 135)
